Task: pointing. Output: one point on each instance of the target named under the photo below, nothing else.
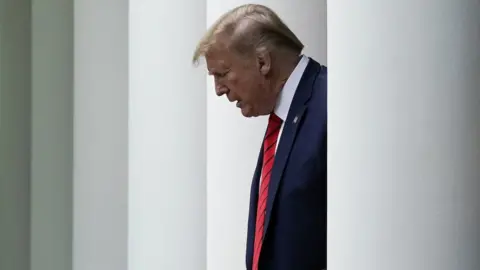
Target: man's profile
(256, 61)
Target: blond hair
(249, 28)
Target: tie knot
(274, 119)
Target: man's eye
(219, 75)
(223, 74)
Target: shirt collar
(288, 91)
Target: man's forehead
(217, 60)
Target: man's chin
(247, 112)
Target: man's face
(243, 81)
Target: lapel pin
(295, 120)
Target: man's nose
(221, 89)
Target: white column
(140, 134)
(167, 136)
(52, 135)
(15, 119)
(100, 182)
(234, 141)
(404, 128)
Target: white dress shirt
(286, 95)
(288, 91)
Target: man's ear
(264, 62)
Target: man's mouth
(239, 104)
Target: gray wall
(15, 98)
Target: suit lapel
(290, 130)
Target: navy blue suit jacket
(296, 220)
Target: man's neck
(287, 67)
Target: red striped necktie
(269, 149)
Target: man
(256, 62)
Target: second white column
(167, 129)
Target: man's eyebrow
(215, 72)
